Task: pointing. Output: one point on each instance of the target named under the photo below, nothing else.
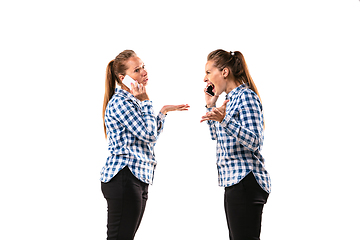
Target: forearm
(164, 110)
(160, 119)
(148, 133)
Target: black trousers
(126, 197)
(244, 204)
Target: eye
(137, 70)
(143, 66)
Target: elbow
(150, 138)
(252, 144)
(253, 147)
(250, 140)
(153, 139)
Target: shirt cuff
(209, 109)
(161, 115)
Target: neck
(123, 87)
(231, 85)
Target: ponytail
(110, 86)
(245, 77)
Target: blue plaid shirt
(240, 139)
(132, 129)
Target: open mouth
(210, 89)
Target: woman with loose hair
(132, 129)
(238, 128)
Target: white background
(303, 57)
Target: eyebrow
(139, 66)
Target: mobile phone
(128, 80)
(209, 90)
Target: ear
(121, 77)
(225, 72)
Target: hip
(247, 191)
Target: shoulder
(249, 98)
(248, 94)
(117, 100)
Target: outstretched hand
(216, 114)
(168, 108)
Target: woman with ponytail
(238, 128)
(132, 129)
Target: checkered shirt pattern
(240, 139)
(132, 130)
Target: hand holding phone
(210, 97)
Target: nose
(144, 73)
(205, 79)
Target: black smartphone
(209, 90)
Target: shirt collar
(118, 90)
(236, 90)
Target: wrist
(164, 110)
(210, 105)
